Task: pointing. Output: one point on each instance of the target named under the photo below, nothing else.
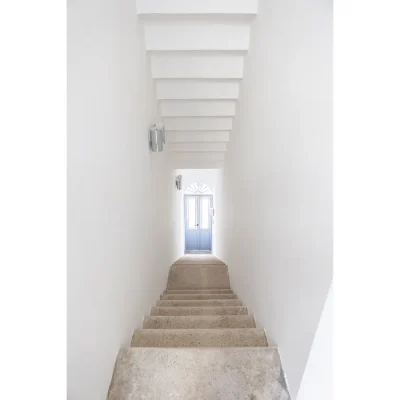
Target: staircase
(199, 342)
(196, 51)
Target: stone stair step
(199, 322)
(237, 337)
(198, 373)
(190, 259)
(199, 291)
(199, 303)
(197, 296)
(235, 310)
(196, 276)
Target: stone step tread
(226, 373)
(229, 310)
(236, 337)
(197, 296)
(198, 285)
(199, 262)
(199, 322)
(199, 291)
(199, 303)
(198, 277)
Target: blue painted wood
(205, 239)
(197, 238)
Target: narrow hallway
(197, 127)
(198, 343)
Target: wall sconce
(156, 137)
(178, 182)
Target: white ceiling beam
(197, 137)
(197, 108)
(185, 36)
(196, 6)
(202, 156)
(180, 90)
(198, 124)
(197, 147)
(187, 164)
(186, 66)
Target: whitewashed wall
(119, 193)
(277, 222)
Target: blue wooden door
(198, 223)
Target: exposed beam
(186, 66)
(198, 108)
(195, 36)
(198, 124)
(186, 89)
(196, 7)
(196, 147)
(197, 137)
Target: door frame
(211, 196)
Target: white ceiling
(197, 50)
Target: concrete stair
(199, 321)
(199, 342)
(198, 303)
(199, 311)
(200, 291)
(190, 259)
(198, 374)
(197, 296)
(198, 276)
(234, 337)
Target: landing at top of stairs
(199, 274)
(198, 259)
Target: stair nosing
(206, 301)
(192, 335)
(220, 310)
(195, 316)
(196, 319)
(198, 291)
(205, 306)
(191, 296)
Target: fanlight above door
(198, 188)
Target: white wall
(277, 228)
(119, 246)
(317, 379)
(207, 176)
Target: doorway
(198, 219)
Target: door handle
(197, 225)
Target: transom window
(198, 188)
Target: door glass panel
(205, 218)
(191, 213)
